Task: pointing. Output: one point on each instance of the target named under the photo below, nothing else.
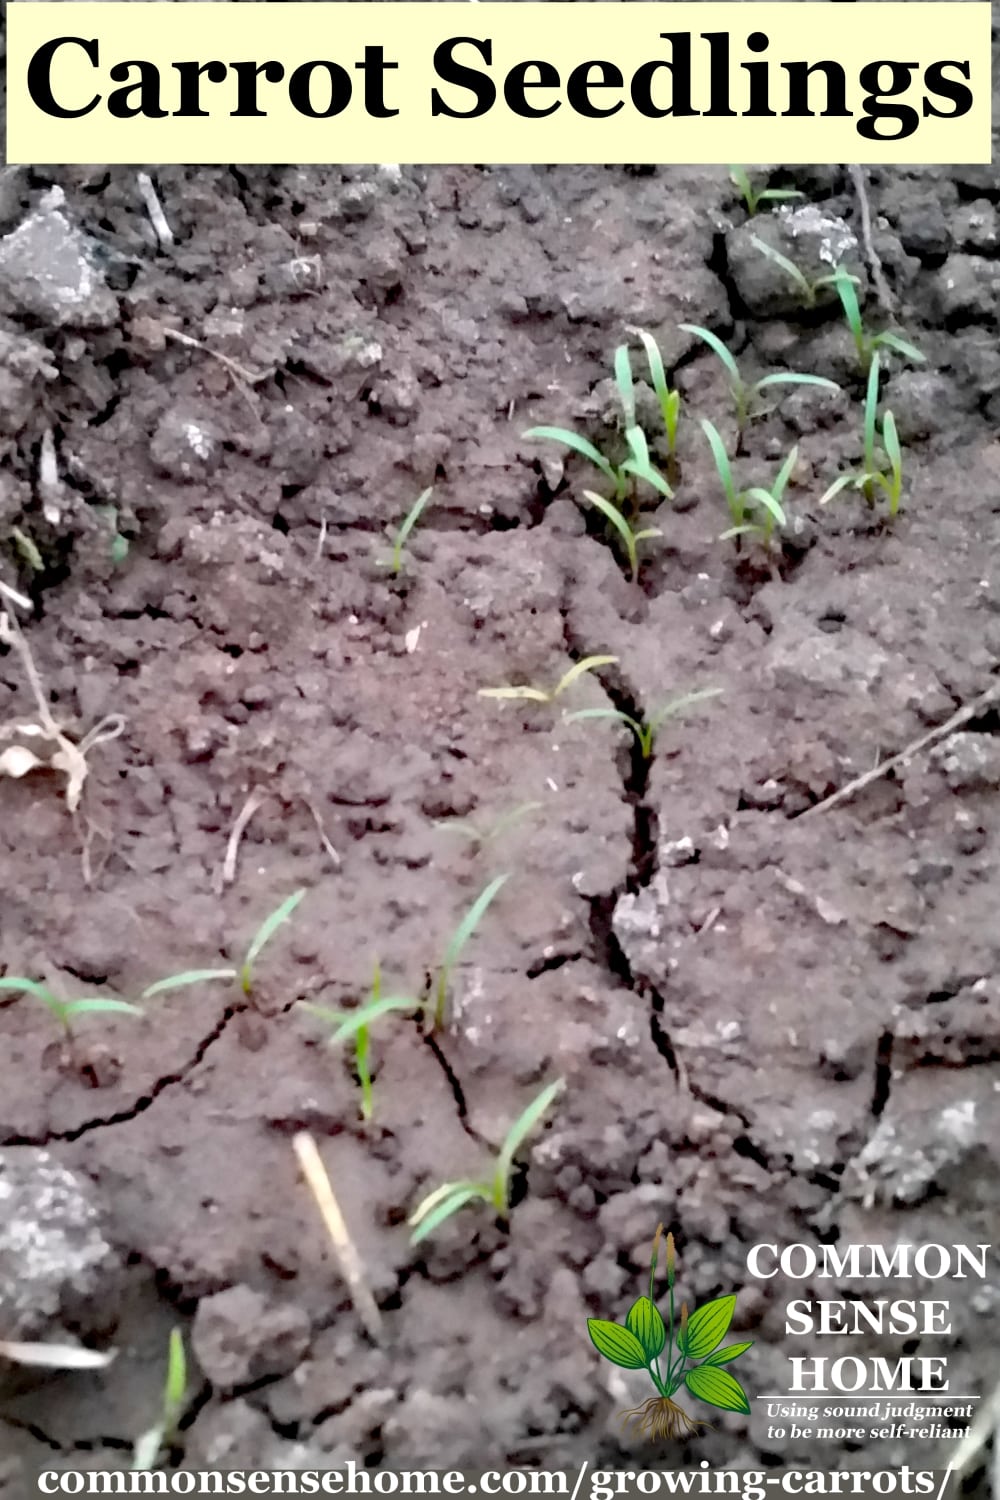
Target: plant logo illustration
(692, 1359)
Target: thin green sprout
(738, 177)
(670, 400)
(645, 732)
(755, 497)
(744, 395)
(149, 1448)
(395, 562)
(463, 932)
(630, 538)
(809, 289)
(547, 695)
(495, 830)
(446, 1200)
(64, 1012)
(868, 344)
(874, 476)
(265, 932)
(356, 1025)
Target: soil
(773, 1027)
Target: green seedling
(150, 1447)
(674, 1351)
(395, 562)
(670, 400)
(355, 1025)
(65, 1012)
(451, 1196)
(265, 932)
(755, 511)
(638, 465)
(28, 550)
(875, 474)
(547, 695)
(738, 177)
(630, 538)
(459, 938)
(745, 395)
(809, 289)
(645, 731)
(868, 344)
(481, 837)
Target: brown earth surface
(772, 1027)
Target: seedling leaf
(645, 1322)
(706, 1328)
(617, 1344)
(441, 1204)
(624, 382)
(794, 379)
(766, 499)
(535, 695)
(459, 938)
(412, 517)
(265, 932)
(587, 664)
(181, 981)
(717, 1388)
(893, 341)
(578, 444)
(518, 1132)
(99, 1005)
(678, 705)
(727, 1355)
(717, 347)
(788, 266)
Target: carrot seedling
(745, 395)
(755, 510)
(481, 837)
(546, 695)
(355, 1025)
(670, 400)
(395, 562)
(645, 731)
(451, 1196)
(149, 1448)
(868, 344)
(738, 177)
(630, 538)
(265, 932)
(809, 289)
(459, 938)
(875, 474)
(638, 465)
(65, 1012)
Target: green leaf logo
(717, 1388)
(727, 1355)
(647, 1325)
(707, 1328)
(617, 1344)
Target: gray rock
(49, 270)
(967, 287)
(976, 226)
(185, 446)
(970, 761)
(815, 241)
(922, 403)
(239, 1337)
(57, 1271)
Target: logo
(680, 1352)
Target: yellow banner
(419, 82)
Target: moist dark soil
(774, 1025)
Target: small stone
(239, 1337)
(184, 446)
(49, 270)
(815, 241)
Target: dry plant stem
(885, 297)
(252, 377)
(985, 1427)
(348, 1258)
(331, 852)
(227, 874)
(13, 597)
(955, 722)
(154, 208)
